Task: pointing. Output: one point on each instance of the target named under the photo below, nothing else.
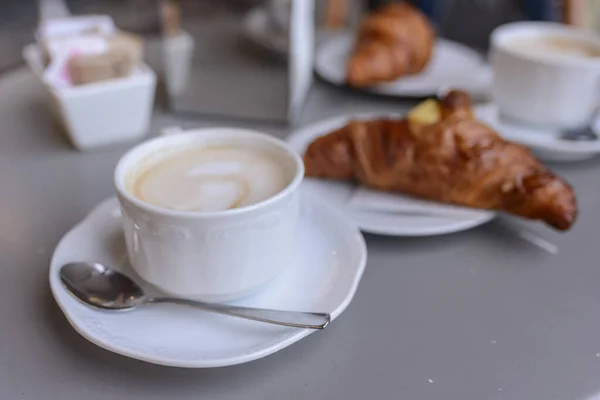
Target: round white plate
(256, 28)
(453, 65)
(383, 223)
(330, 262)
(545, 144)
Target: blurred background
(240, 59)
(467, 21)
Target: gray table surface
(470, 316)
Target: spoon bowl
(99, 286)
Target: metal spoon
(586, 133)
(580, 134)
(101, 287)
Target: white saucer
(256, 28)
(545, 144)
(453, 65)
(383, 223)
(330, 263)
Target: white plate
(545, 144)
(325, 276)
(256, 28)
(453, 65)
(383, 223)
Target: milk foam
(210, 179)
(557, 46)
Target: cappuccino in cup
(546, 75)
(554, 46)
(210, 214)
(212, 178)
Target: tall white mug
(211, 256)
(544, 89)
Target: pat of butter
(425, 113)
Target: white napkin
(376, 200)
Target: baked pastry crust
(455, 160)
(394, 41)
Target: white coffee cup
(212, 256)
(544, 89)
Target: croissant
(455, 160)
(394, 41)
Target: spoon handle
(297, 319)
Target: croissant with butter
(444, 154)
(394, 41)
